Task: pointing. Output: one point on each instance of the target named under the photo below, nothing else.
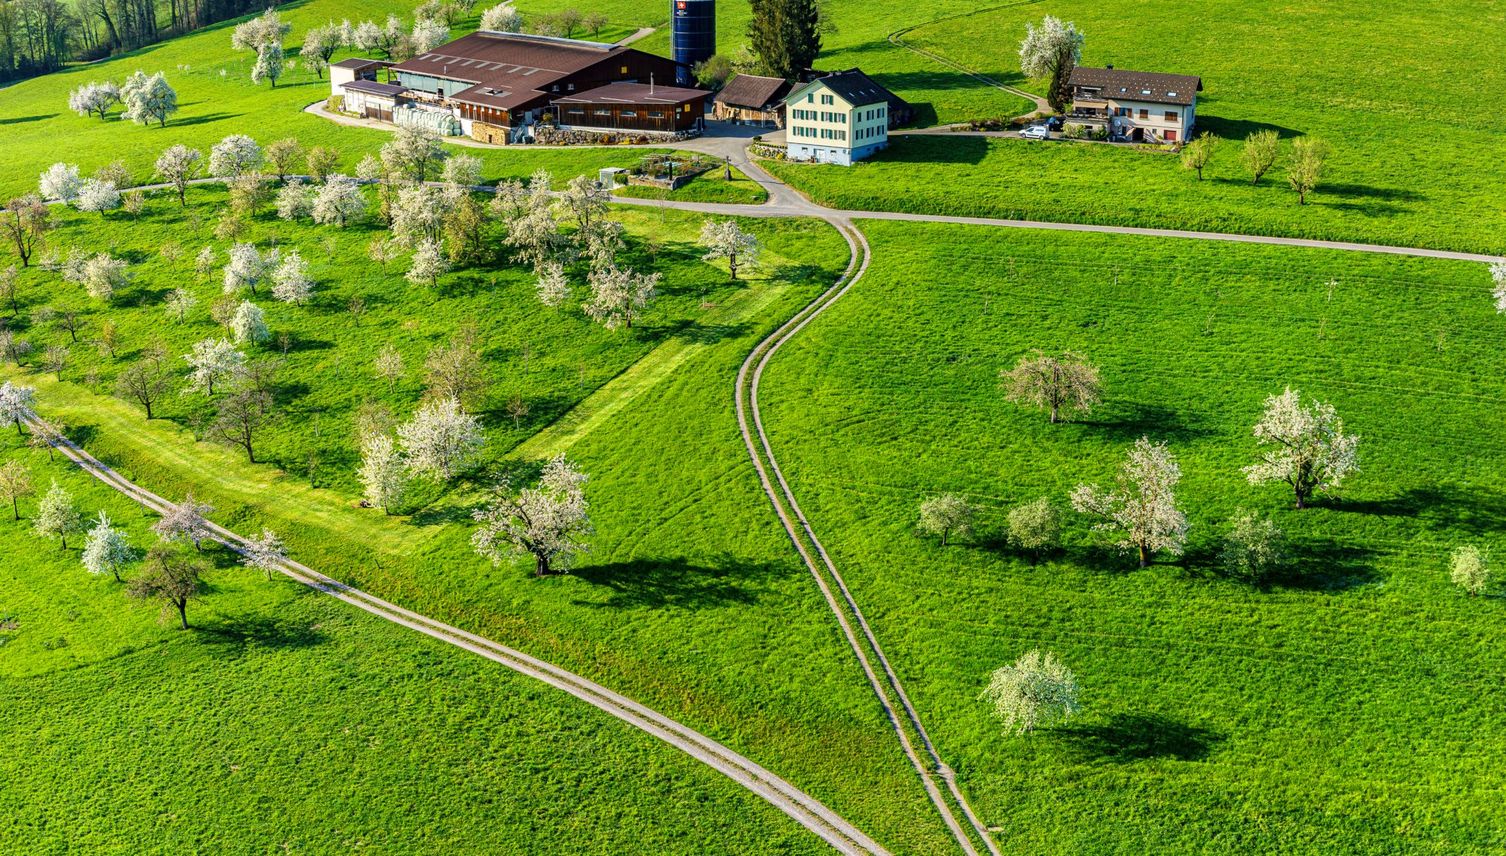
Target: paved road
(642, 33)
(784, 796)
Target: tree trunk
(1054, 408)
(182, 613)
(541, 566)
(148, 409)
(943, 537)
(1144, 556)
(15, 509)
(116, 569)
(64, 538)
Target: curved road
(806, 810)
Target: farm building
(495, 86)
(840, 118)
(752, 100)
(356, 68)
(1141, 106)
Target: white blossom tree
(429, 264)
(428, 34)
(441, 439)
(584, 202)
(92, 98)
(294, 200)
(502, 18)
(338, 201)
(57, 516)
(148, 99)
(264, 29)
(17, 404)
(249, 325)
(383, 475)
(213, 361)
(553, 286)
(179, 303)
(265, 553)
(104, 275)
(320, 44)
(1304, 446)
(946, 515)
(1037, 690)
(460, 173)
(291, 282)
(1141, 509)
(234, 156)
(60, 182)
(418, 215)
(1053, 383)
(366, 37)
(412, 153)
(176, 166)
(1051, 50)
(204, 262)
(247, 267)
(106, 549)
(186, 523)
(97, 196)
(724, 239)
(549, 521)
(1498, 290)
(270, 62)
(619, 295)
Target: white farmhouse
(840, 118)
(1142, 106)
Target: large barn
(494, 86)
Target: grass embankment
(287, 720)
(1350, 706)
(1415, 158)
(690, 599)
(216, 98)
(709, 187)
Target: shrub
(1253, 548)
(1035, 526)
(1469, 568)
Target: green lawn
(288, 720)
(710, 187)
(690, 599)
(1351, 706)
(1414, 154)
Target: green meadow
(287, 720)
(1348, 706)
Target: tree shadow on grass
(16, 120)
(921, 149)
(239, 632)
(676, 584)
(201, 120)
(709, 334)
(1323, 564)
(1131, 421)
(1130, 737)
(1238, 129)
(1475, 511)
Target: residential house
(748, 99)
(840, 118)
(1141, 106)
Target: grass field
(711, 187)
(1414, 156)
(287, 720)
(689, 600)
(1348, 707)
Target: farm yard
(811, 462)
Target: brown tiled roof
(750, 90)
(633, 93)
(509, 60)
(1150, 86)
(359, 62)
(374, 88)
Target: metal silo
(692, 34)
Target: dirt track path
(804, 809)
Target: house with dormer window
(1140, 106)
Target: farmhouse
(752, 100)
(1142, 106)
(495, 86)
(840, 118)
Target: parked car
(1054, 123)
(1036, 132)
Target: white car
(1036, 132)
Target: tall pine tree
(786, 35)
